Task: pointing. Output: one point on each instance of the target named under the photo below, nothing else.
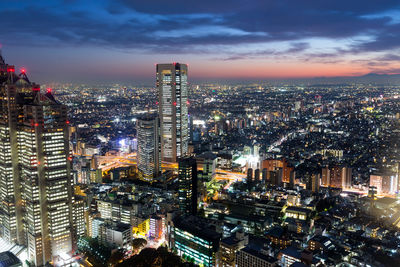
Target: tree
(116, 257)
(138, 243)
(150, 257)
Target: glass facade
(148, 154)
(173, 110)
(194, 248)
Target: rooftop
(291, 251)
(198, 227)
(298, 209)
(258, 254)
(8, 259)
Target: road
(109, 162)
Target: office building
(156, 226)
(187, 179)
(207, 163)
(8, 259)
(148, 153)
(173, 110)
(195, 240)
(116, 210)
(95, 227)
(248, 257)
(78, 215)
(36, 206)
(229, 248)
(115, 234)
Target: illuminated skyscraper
(173, 110)
(35, 182)
(187, 180)
(148, 153)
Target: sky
(219, 39)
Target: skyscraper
(187, 179)
(35, 182)
(173, 110)
(148, 153)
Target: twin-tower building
(164, 136)
(35, 182)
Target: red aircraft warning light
(49, 90)
(174, 104)
(10, 69)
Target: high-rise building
(325, 177)
(173, 110)
(148, 153)
(78, 216)
(35, 182)
(156, 226)
(187, 179)
(337, 177)
(257, 175)
(207, 163)
(384, 183)
(274, 164)
(315, 182)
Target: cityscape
(233, 163)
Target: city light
(278, 146)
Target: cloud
(136, 23)
(277, 53)
(226, 30)
(389, 57)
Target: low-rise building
(229, 247)
(249, 257)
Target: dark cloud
(268, 53)
(355, 7)
(387, 38)
(179, 26)
(377, 63)
(298, 47)
(389, 57)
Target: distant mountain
(375, 78)
(377, 75)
